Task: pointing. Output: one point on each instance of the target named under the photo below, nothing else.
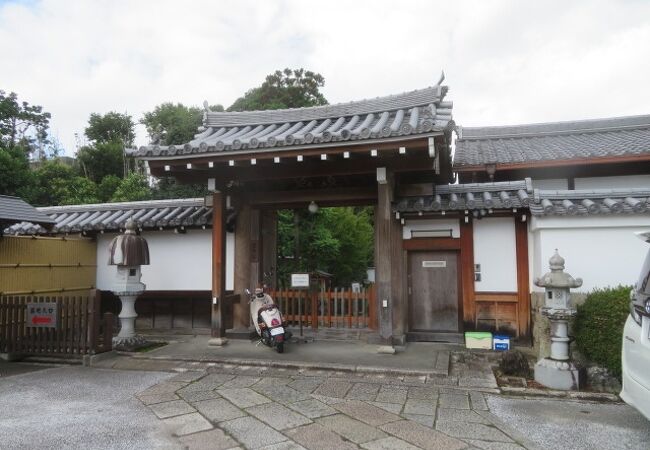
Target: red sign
(42, 315)
(40, 320)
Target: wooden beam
(323, 197)
(523, 283)
(218, 264)
(431, 244)
(467, 272)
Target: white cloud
(506, 61)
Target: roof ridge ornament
(442, 78)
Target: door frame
(433, 245)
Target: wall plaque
(41, 315)
(429, 264)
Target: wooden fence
(80, 328)
(337, 308)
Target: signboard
(299, 280)
(434, 263)
(41, 315)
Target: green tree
(132, 188)
(110, 127)
(75, 191)
(172, 123)
(16, 178)
(167, 187)
(101, 159)
(284, 89)
(106, 189)
(21, 124)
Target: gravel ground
(79, 407)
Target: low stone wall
(541, 326)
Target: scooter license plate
(276, 331)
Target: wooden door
(433, 291)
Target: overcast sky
(505, 62)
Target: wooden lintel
(431, 244)
(324, 197)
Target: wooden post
(389, 263)
(108, 331)
(218, 268)
(269, 247)
(467, 272)
(523, 285)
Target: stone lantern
(558, 371)
(128, 252)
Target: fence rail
(80, 328)
(336, 308)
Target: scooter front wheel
(280, 347)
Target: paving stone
(241, 381)
(158, 398)
(328, 400)
(312, 408)
(422, 436)
(394, 408)
(478, 401)
(282, 394)
(188, 376)
(423, 393)
(469, 430)
(278, 416)
(218, 410)
(389, 443)
(351, 429)
(486, 445)
(307, 385)
(363, 391)
(415, 379)
(333, 388)
(461, 415)
(187, 424)
(317, 437)
(197, 396)
(421, 419)
(392, 394)
(287, 445)
(170, 409)
(165, 387)
(251, 432)
(244, 397)
(272, 381)
(364, 412)
(443, 381)
(477, 382)
(421, 407)
(459, 401)
(208, 440)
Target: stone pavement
(210, 405)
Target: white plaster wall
(621, 182)
(495, 250)
(178, 261)
(437, 224)
(551, 184)
(602, 250)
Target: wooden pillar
(523, 284)
(467, 272)
(218, 266)
(389, 265)
(270, 247)
(247, 261)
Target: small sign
(299, 280)
(434, 264)
(41, 315)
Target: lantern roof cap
(557, 277)
(128, 249)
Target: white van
(636, 343)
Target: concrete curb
(553, 394)
(92, 360)
(299, 365)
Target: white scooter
(268, 320)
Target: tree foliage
(284, 89)
(110, 127)
(101, 159)
(21, 124)
(132, 188)
(171, 123)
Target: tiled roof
(527, 144)
(593, 201)
(113, 216)
(409, 114)
(474, 196)
(15, 209)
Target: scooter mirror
(248, 292)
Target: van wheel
(280, 347)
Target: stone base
(386, 349)
(129, 344)
(218, 341)
(562, 375)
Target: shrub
(598, 326)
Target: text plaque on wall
(432, 264)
